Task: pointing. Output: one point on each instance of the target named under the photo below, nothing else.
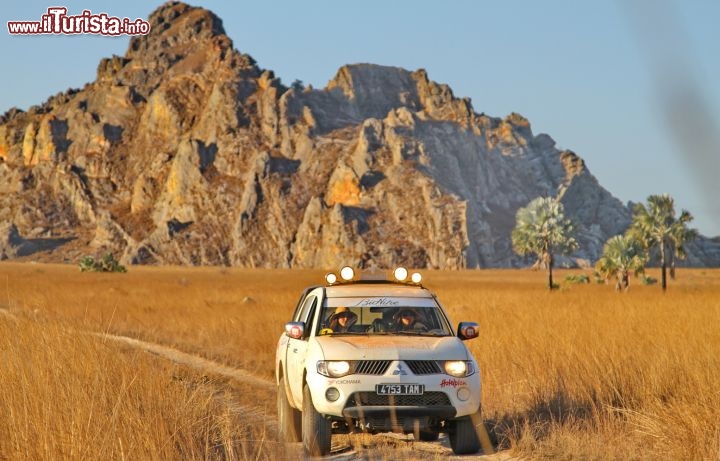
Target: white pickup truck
(376, 354)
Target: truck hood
(392, 348)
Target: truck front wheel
(289, 419)
(316, 430)
(464, 439)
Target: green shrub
(577, 278)
(87, 263)
(598, 277)
(647, 280)
(107, 263)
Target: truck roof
(377, 289)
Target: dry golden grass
(580, 373)
(70, 395)
(588, 373)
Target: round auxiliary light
(400, 274)
(347, 273)
(330, 278)
(332, 394)
(463, 394)
(416, 277)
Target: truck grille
(371, 367)
(379, 367)
(428, 399)
(423, 367)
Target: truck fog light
(332, 394)
(463, 393)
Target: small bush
(598, 277)
(108, 263)
(647, 280)
(577, 278)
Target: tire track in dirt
(193, 361)
(253, 414)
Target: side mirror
(295, 330)
(468, 330)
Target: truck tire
(463, 437)
(428, 435)
(316, 430)
(289, 419)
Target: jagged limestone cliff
(184, 151)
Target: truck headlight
(459, 368)
(333, 368)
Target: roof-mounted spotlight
(416, 277)
(330, 278)
(400, 274)
(347, 273)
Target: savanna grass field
(583, 372)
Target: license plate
(400, 389)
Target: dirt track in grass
(345, 447)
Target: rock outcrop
(184, 151)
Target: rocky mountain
(184, 151)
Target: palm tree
(656, 225)
(542, 229)
(621, 254)
(680, 236)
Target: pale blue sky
(600, 77)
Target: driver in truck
(407, 320)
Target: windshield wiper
(420, 333)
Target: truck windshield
(383, 316)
